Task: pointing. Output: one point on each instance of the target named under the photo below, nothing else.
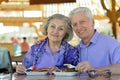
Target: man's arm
(115, 68)
(86, 66)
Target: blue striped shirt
(102, 50)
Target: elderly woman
(54, 51)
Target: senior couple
(95, 51)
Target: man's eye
(74, 25)
(82, 22)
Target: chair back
(5, 59)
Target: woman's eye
(61, 29)
(53, 26)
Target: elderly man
(97, 51)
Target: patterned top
(40, 56)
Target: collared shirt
(40, 55)
(101, 51)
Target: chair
(10, 47)
(5, 59)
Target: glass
(107, 73)
(4, 76)
(94, 73)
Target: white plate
(66, 73)
(36, 73)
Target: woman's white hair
(69, 33)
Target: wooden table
(18, 58)
(52, 77)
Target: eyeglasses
(94, 73)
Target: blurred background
(24, 18)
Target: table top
(53, 77)
(18, 58)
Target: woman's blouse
(40, 56)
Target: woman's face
(56, 30)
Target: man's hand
(53, 68)
(38, 42)
(83, 67)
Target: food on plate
(67, 70)
(41, 70)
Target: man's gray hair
(86, 10)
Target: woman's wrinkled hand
(20, 69)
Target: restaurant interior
(24, 18)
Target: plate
(36, 73)
(66, 73)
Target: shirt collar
(61, 50)
(93, 39)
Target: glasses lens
(92, 73)
(107, 73)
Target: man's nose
(78, 27)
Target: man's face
(82, 25)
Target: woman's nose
(56, 30)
